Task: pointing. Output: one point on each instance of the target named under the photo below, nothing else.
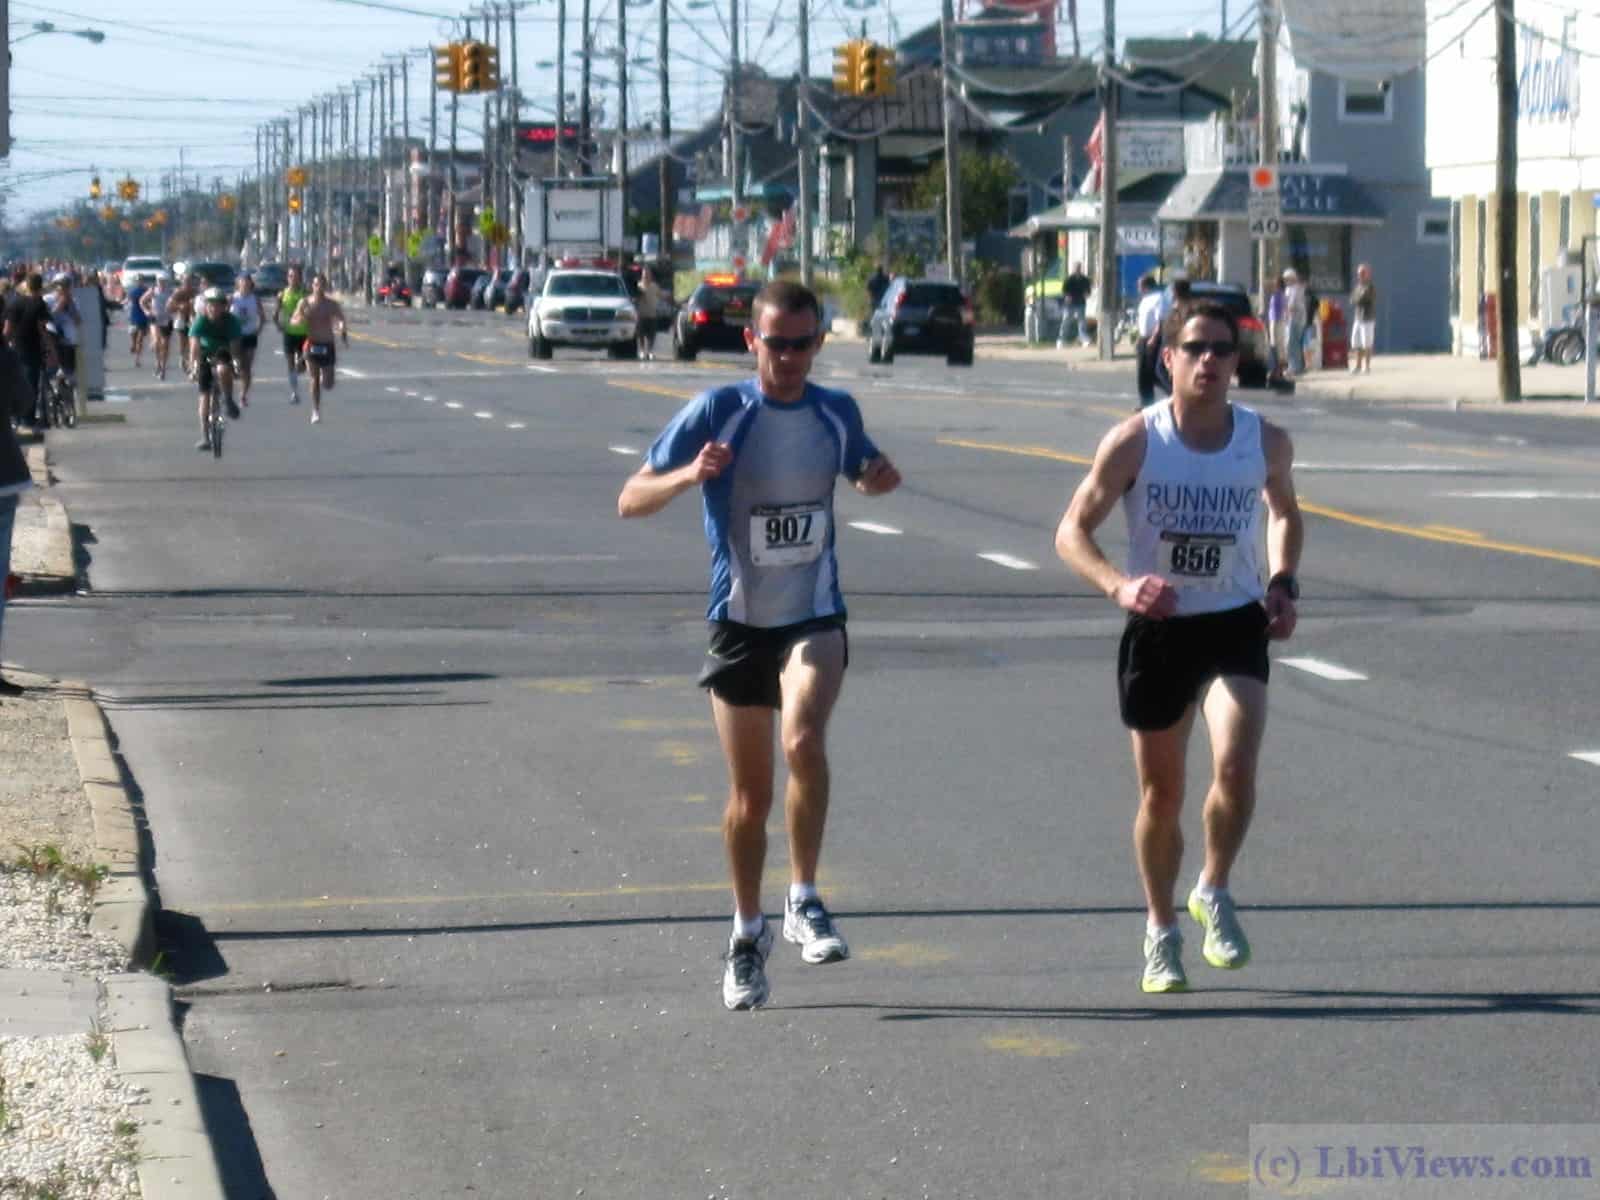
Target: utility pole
(583, 95)
(803, 138)
(433, 198)
(374, 174)
(622, 110)
(346, 224)
(514, 153)
(1267, 134)
(952, 145)
(664, 164)
(735, 187)
(561, 84)
(1108, 189)
(1505, 200)
(405, 147)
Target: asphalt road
(435, 802)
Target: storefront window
(1321, 255)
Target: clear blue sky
(179, 76)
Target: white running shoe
(744, 981)
(808, 925)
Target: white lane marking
(1326, 670)
(412, 395)
(1589, 756)
(484, 416)
(873, 527)
(545, 370)
(453, 404)
(429, 399)
(350, 372)
(1399, 424)
(1505, 439)
(485, 560)
(628, 450)
(1009, 561)
(391, 388)
(1521, 495)
(516, 425)
(1313, 412)
(1391, 468)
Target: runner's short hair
(787, 297)
(1187, 310)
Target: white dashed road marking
(515, 425)
(1589, 756)
(348, 371)
(391, 388)
(1521, 495)
(484, 416)
(412, 395)
(1009, 561)
(1390, 468)
(628, 450)
(453, 404)
(544, 370)
(428, 399)
(1325, 670)
(873, 527)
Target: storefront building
(1558, 168)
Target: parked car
(494, 292)
(583, 308)
(214, 274)
(478, 297)
(458, 285)
(1254, 359)
(140, 264)
(431, 292)
(517, 290)
(271, 278)
(922, 316)
(394, 289)
(714, 317)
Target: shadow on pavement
(244, 1176)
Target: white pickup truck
(583, 307)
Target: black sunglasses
(778, 344)
(1198, 347)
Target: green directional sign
(375, 245)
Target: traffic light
(847, 68)
(480, 67)
(94, 188)
(447, 66)
(295, 177)
(128, 189)
(877, 71)
(490, 56)
(294, 201)
(226, 202)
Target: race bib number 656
(786, 535)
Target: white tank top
(1195, 519)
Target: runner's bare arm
(648, 491)
(878, 477)
(1116, 466)
(1285, 528)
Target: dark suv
(922, 316)
(714, 317)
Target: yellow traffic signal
(94, 188)
(226, 202)
(475, 67)
(847, 68)
(877, 70)
(128, 189)
(296, 177)
(294, 201)
(447, 66)
(490, 58)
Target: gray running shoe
(744, 981)
(808, 925)
(1225, 945)
(1163, 963)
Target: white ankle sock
(1156, 931)
(751, 928)
(799, 893)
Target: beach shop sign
(1547, 80)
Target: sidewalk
(1423, 380)
(98, 1089)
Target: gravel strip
(68, 1121)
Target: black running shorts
(744, 662)
(1163, 666)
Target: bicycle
(214, 394)
(61, 402)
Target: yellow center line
(653, 388)
(1427, 533)
(316, 902)
(489, 359)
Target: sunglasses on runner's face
(778, 344)
(1197, 347)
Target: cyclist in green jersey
(215, 339)
(294, 334)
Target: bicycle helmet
(215, 293)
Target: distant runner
(322, 317)
(294, 334)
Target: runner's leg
(811, 680)
(1158, 759)
(745, 732)
(1236, 718)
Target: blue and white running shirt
(769, 516)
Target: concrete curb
(177, 1159)
(44, 559)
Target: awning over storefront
(1134, 198)
(1309, 198)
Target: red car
(458, 286)
(394, 290)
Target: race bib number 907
(786, 535)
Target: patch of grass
(98, 1043)
(44, 860)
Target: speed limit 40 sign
(1264, 208)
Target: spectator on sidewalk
(1364, 310)
(877, 286)
(27, 332)
(1075, 291)
(1297, 310)
(649, 314)
(1149, 325)
(1277, 315)
(14, 477)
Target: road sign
(375, 245)
(1264, 208)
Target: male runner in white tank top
(1192, 473)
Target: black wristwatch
(1286, 581)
